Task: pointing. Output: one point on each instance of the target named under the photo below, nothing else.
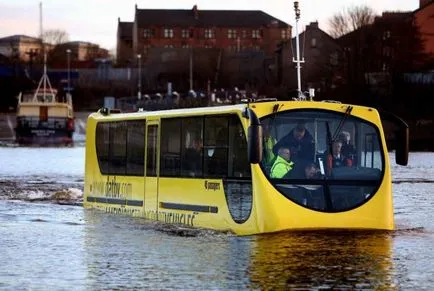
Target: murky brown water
(48, 245)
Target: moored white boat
(43, 116)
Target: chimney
(119, 19)
(313, 25)
(195, 12)
(136, 6)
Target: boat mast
(40, 21)
(44, 76)
(297, 44)
(44, 79)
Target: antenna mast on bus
(297, 44)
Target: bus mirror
(401, 137)
(255, 143)
(254, 138)
(402, 145)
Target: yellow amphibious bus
(213, 167)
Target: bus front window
(323, 160)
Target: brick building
(124, 44)
(424, 19)
(396, 42)
(322, 55)
(231, 30)
(26, 48)
(85, 51)
(20, 46)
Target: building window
(185, 33)
(168, 46)
(147, 33)
(146, 48)
(313, 42)
(244, 34)
(168, 33)
(209, 33)
(334, 59)
(256, 33)
(233, 48)
(286, 34)
(185, 45)
(232, 33)
(208, 45)
(256, 48)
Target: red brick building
(424, 19)
(124, 45)
(231, 30)
(396, 42)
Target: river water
(49, 242)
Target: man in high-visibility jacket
(283, 164)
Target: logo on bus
(212, 186)
(112, 189)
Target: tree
(54, 41)
(55, 36)
(350, 19)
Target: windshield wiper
(341, 123)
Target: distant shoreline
(421, 137)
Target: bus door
(151, 169)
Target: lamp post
(68, 56)
(139, 83)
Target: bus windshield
(323, 160)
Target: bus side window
(239, 165)
(102, 139)
(192, 147)
(216, 146)
(170, 153)
(135, 147)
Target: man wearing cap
(300, 142)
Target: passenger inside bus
(283, 165)
(312, 172)
(193, 161)
(336, 159)
(301, 144)
(348, 149)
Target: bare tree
(338, 25)
(55, 36)
(54, 45)
(350, 19)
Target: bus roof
(261, 109)
(175, 112)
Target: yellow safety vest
(280, 167)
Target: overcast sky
(96, 20)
